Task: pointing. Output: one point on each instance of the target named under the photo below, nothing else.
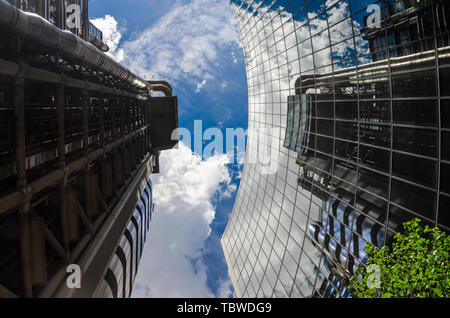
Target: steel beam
(24, 217)
(13, 199)
(60, 104)
(36, 74)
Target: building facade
(80, 137)
(354, 100)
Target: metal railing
(93, 29)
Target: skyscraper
(80, 137)
(353, 98)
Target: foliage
(417, 266)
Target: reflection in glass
(365, 115)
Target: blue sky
(194, 44)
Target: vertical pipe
(62, 164)
(103, 164)
(85, 15)
(112, 108)
(102, 119)
(24, 217)
(59, 14)
(141, 119)
(122, 120)
(61, 128)
(134, 115)
(25, 251)
(122, 133)
(133, 128)
(147, 123)
(85, 109)
(19, 105)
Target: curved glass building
(349, 136)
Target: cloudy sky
(194, 44)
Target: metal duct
(35, 28)
(160, 86)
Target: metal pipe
(34, 28)
(61, 128)
(101, 108)
(36, 74)
(160, 86)
(25, 252)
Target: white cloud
(226, 289)
(185, 44)
(111, 36)
(200, 86)
(172, 264)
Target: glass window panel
(444, 211)
(345, 171)
(445, 178)
(419, 113)
(286, 280)
(325, 109)
(445, 146)
(375, 111)
(347, 130)
(293, 247)
(374, 182)
(419, 84)
(378, 135)
(304, 284)
(419, 141)
(445, 80)
(325, 144)
(418, 170)
(375, 158)
(414, 198)
(347, 110)
(325, 127)
(445, 111)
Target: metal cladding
(349, 137)
(164, 121)
(76, 156)
(35, 28)
(122, 270)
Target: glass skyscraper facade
(354, 99)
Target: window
(418, 84)
(414, 198)
(419, 141)
(375, 158)
(419, 113)
(418, 170)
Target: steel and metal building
(80, 137)
(355, 97)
